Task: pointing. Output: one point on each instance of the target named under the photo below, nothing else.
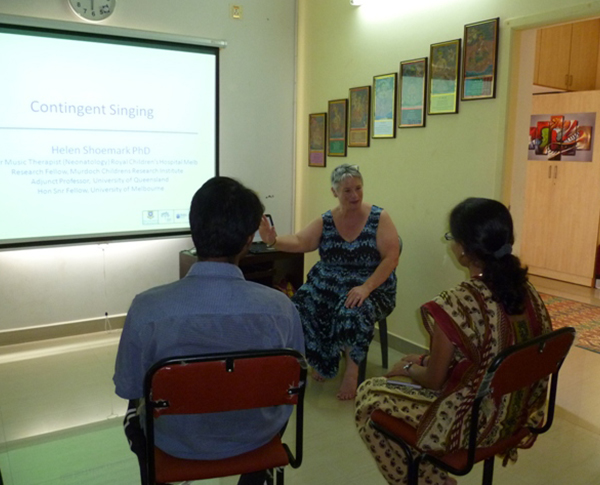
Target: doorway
(523, 33)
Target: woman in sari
(468, 326)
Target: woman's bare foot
(348, 388)
(316, 376)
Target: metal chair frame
(225, 382)
(515, 368)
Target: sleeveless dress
(330, 327)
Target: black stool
(383, 340)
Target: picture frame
(359, 117)
(444, 74)
(413, 93)
(317, 129)
(385, 87)
(480, 60)
(337, 127)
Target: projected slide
(101, 138)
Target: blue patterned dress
(330, 327)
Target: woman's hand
(398, 369)
(356, 296)
(266, 231)
(414, 358)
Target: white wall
(421, 174)
(257, 83)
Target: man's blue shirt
(212, 309)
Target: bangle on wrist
(422, 360)
(273, 243)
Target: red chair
(219, 383)
(515, 368)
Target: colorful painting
(413, 79)
(480, 60)
(338, 126)
(384, 105)
(444, 66)
(360, 117)
(566, 137)
(317, 124)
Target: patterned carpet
(584, 317)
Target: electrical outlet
(236, 12)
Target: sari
(479, 329)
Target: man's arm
(297, 334)
(129, 368)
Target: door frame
(521, 33)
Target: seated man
(212, 309)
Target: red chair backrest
(523, 365)
(197, 385)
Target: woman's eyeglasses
(448, 236)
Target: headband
(503, 251)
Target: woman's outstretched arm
(303, 241)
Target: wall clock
(93, 10)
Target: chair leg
(488, 471)
(413, 469)
(383, 338)
(278, 476)
(362, 371)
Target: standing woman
(352, 286)
(469, 325)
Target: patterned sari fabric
(479, 330)
(330, 327)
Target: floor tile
(60, 421)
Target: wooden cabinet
(268, 268)
(567, 56)
(562, 203)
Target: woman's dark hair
(484, 228)
(223, 214)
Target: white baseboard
(58, 330)
(402, 345)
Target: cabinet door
(561, 218)
(540, 210)
(584, 55)
(574, 230)
(554, 56)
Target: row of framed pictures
(354, 121)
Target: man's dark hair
(223, 215)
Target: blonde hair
(342, 172)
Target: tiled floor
(60, 421)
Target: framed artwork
(359, 130)
(565, 137)
(337, 124)
(480, 58)
(384, 105)
(317, 125)
(444, 67)
(413, 82)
